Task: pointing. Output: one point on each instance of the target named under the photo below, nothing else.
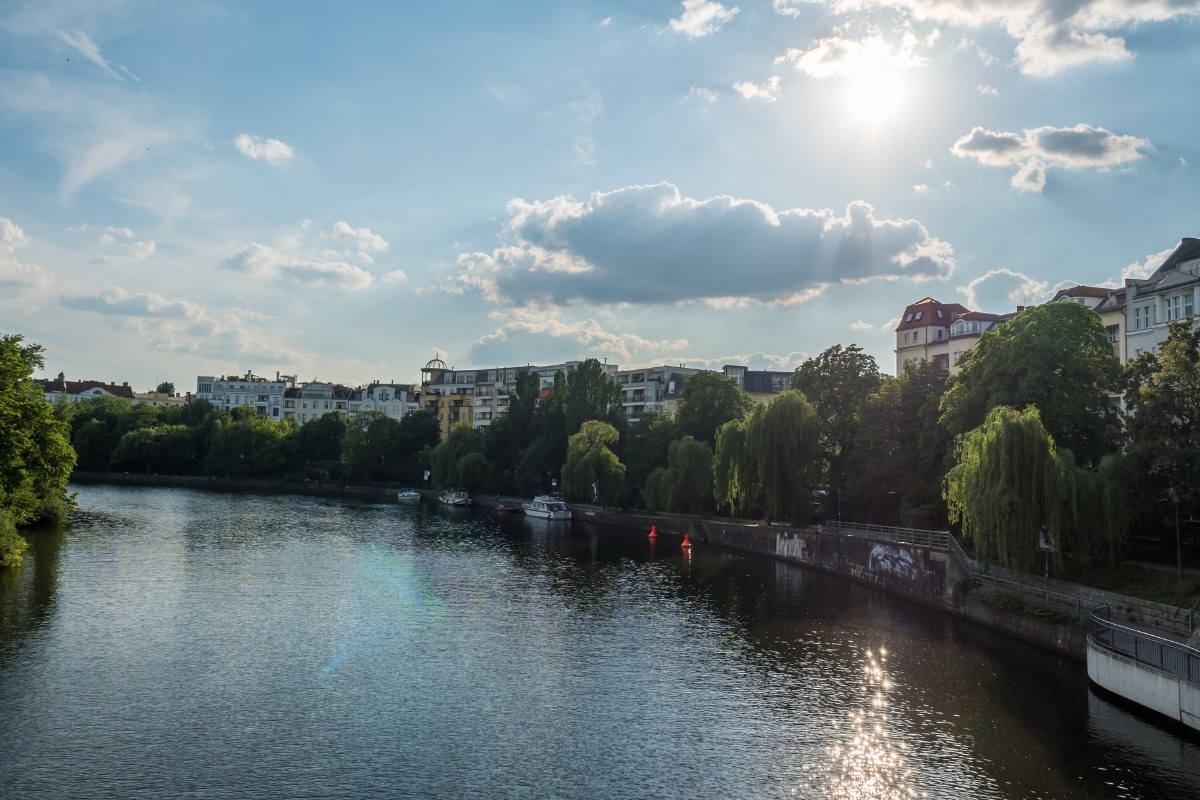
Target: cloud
(113, 251)
(273, 151)
(992, 90)
(838, 57)
(1051, 36)
(1080, 147)
(362, 238)
(261, 260)
(702, 94)
(646, 245)
(862, 326)
(789, 8)
(93, 130)
(16, 277)
(1002, 290)
(87, 48)
(114, 301)
(702, 17)
(768, 91)
(545, 331)
(1146, 267)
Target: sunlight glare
(875, 93)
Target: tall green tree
(592, 394)
(1011, 481)
(166, 387)
(783, 440)
(511, 433)
(320, 441)
(646, 447)
(838, 383)
(36, 458)
(736, 484)
(709, 401)
(686, 483)
(1055, 357)
(457, 461)
(592, 468)
(542, 460)
(1162, 458)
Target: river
(172, 643)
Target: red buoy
(687, 543)
(653, 532)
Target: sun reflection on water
(867, 764)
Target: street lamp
(1174, 495)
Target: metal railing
(936, 540)
(1071, 603)
(1169, 656)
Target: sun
(875, 93)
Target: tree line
(1025, 439)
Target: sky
(344, 192)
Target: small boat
(408, 496)
(547, 506)
(505, 507)
(454, 497)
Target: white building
(1171, 293)
(651, 389)
(263, 395)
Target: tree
(735, 479)
(371, 442)
(1011, 481)
(783, 441)
(646, 447)
(166, 387)
(592, 467)
(1055, 357)
(1163, 453)
(320, 441)
(896, 467)
(512, 432)
(709, 401)
(687, 482)
(455, 462)
(36, 458)
(592, 394)
(838, 383)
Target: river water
(182, 644)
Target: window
(1114, 333)
(1143, 318)
(909, 317)
(940, 332)
(918, 315)
(939, 313)
(1179, 307)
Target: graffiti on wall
(787, 546)
(896, 562)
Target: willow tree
(1011, 481)
(735, 481)
(687, 480)
(592, 467)
(783, 440)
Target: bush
(12, 544)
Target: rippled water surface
(176, 644)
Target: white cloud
(647, 245)
(1080, 147)
(861, 326)
(992, 90)
(262, 260)
(702, 17)
(16, 278)
(789, 8)
(11, 236)
(1051, 36)
(113, 251)
(1146, 267)
(920, 187)
(769, 90)
(362, 238)
(703, 94)
(838, 57)
(1002, 290)
(88, 48)
(273, 151)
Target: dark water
(178, 644)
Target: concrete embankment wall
(1152, 688)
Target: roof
(76, 388)
(1082, 291)
(929, 311)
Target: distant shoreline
(306, 487)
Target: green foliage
(36, 458)
(591, 464)
(783, 440)
(709, 401)
(166, 387)
(1163, 454)
(511, 433)
(592, 395)
(12, 544)
(1055, 357)
(1011, 480)
(542, 460)
(735, 477)
(1023, 606)
(659, 491)
(646, 449)
(897, 464)
(687, 482)
(456, 461)
(320, 441)
(838, 383)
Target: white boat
(408, 496)
(454, 497)
(546, 506)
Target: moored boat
(408, 496)
(547, 506)
(505, 507)
(454, 497)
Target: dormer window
(919, 314)
(939, 313)
(909, 318)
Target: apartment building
(651, 389)
(75, 391)
(1172, 292)
(263, 395)
(924, 332)
(761, 385)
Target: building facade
(77, 391)
(263, 395)
(1172, 292)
